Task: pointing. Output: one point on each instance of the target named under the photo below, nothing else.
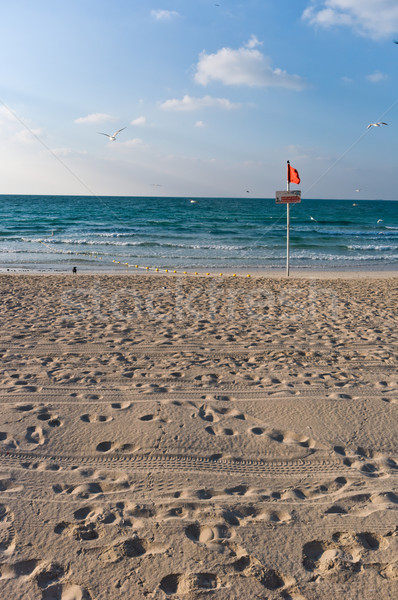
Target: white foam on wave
(371, 247)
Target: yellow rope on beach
(174, 271)
(126, 264)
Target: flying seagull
(376, 124)
(112, 138)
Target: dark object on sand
(74, 270)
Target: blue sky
(215, 97)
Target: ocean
(55, 233)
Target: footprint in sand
(120, 405)
(107, 446)
(152, 417)
(35, 435)
(368, 462)
(231, 412)
(238, 490)
(273, 516)
(220, 430)
(244, 513)
(82, 532)
(10, 486)
(86, 418)
(257, 430)
(345, 552)
(23, 568)
(138, 511)
(311, 492)
(131, 548)
(8, 440)
(7, 531)
(207, 414)
(65, 591)
(24, 407)
(49, 575)
(206, 534)
(43, 414)
(52, 420)
(246, 565)
(188, 583)
(363, 505)
(292, 438)
(93, 488)
(390, 400)
(214, 414)
(356, 502)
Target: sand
(184, 438)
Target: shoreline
(277, 273)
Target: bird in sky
(112, 137)
(376, 124)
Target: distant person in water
(74, 270)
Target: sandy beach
(198, 437)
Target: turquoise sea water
(58, 232)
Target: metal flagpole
(288, 197)
(287, 227)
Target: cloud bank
(374, 18)
(188, 103)
(245, 66)
(164, 15)
(139, 121)
(376, 77)
(96, 118)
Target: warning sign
(285, 197)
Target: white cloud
(253, 42)
(347, 80)
(132, 143)
(245, 66)
(6, 114)
(376, 77)
(374, 18)
(11, 123)
(189, 103)
(139, 121)
(19, 131)
(29, 136)
(96, 118)
(164, 15)
(200, 124)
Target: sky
(214, 97)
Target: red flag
(292, 174)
